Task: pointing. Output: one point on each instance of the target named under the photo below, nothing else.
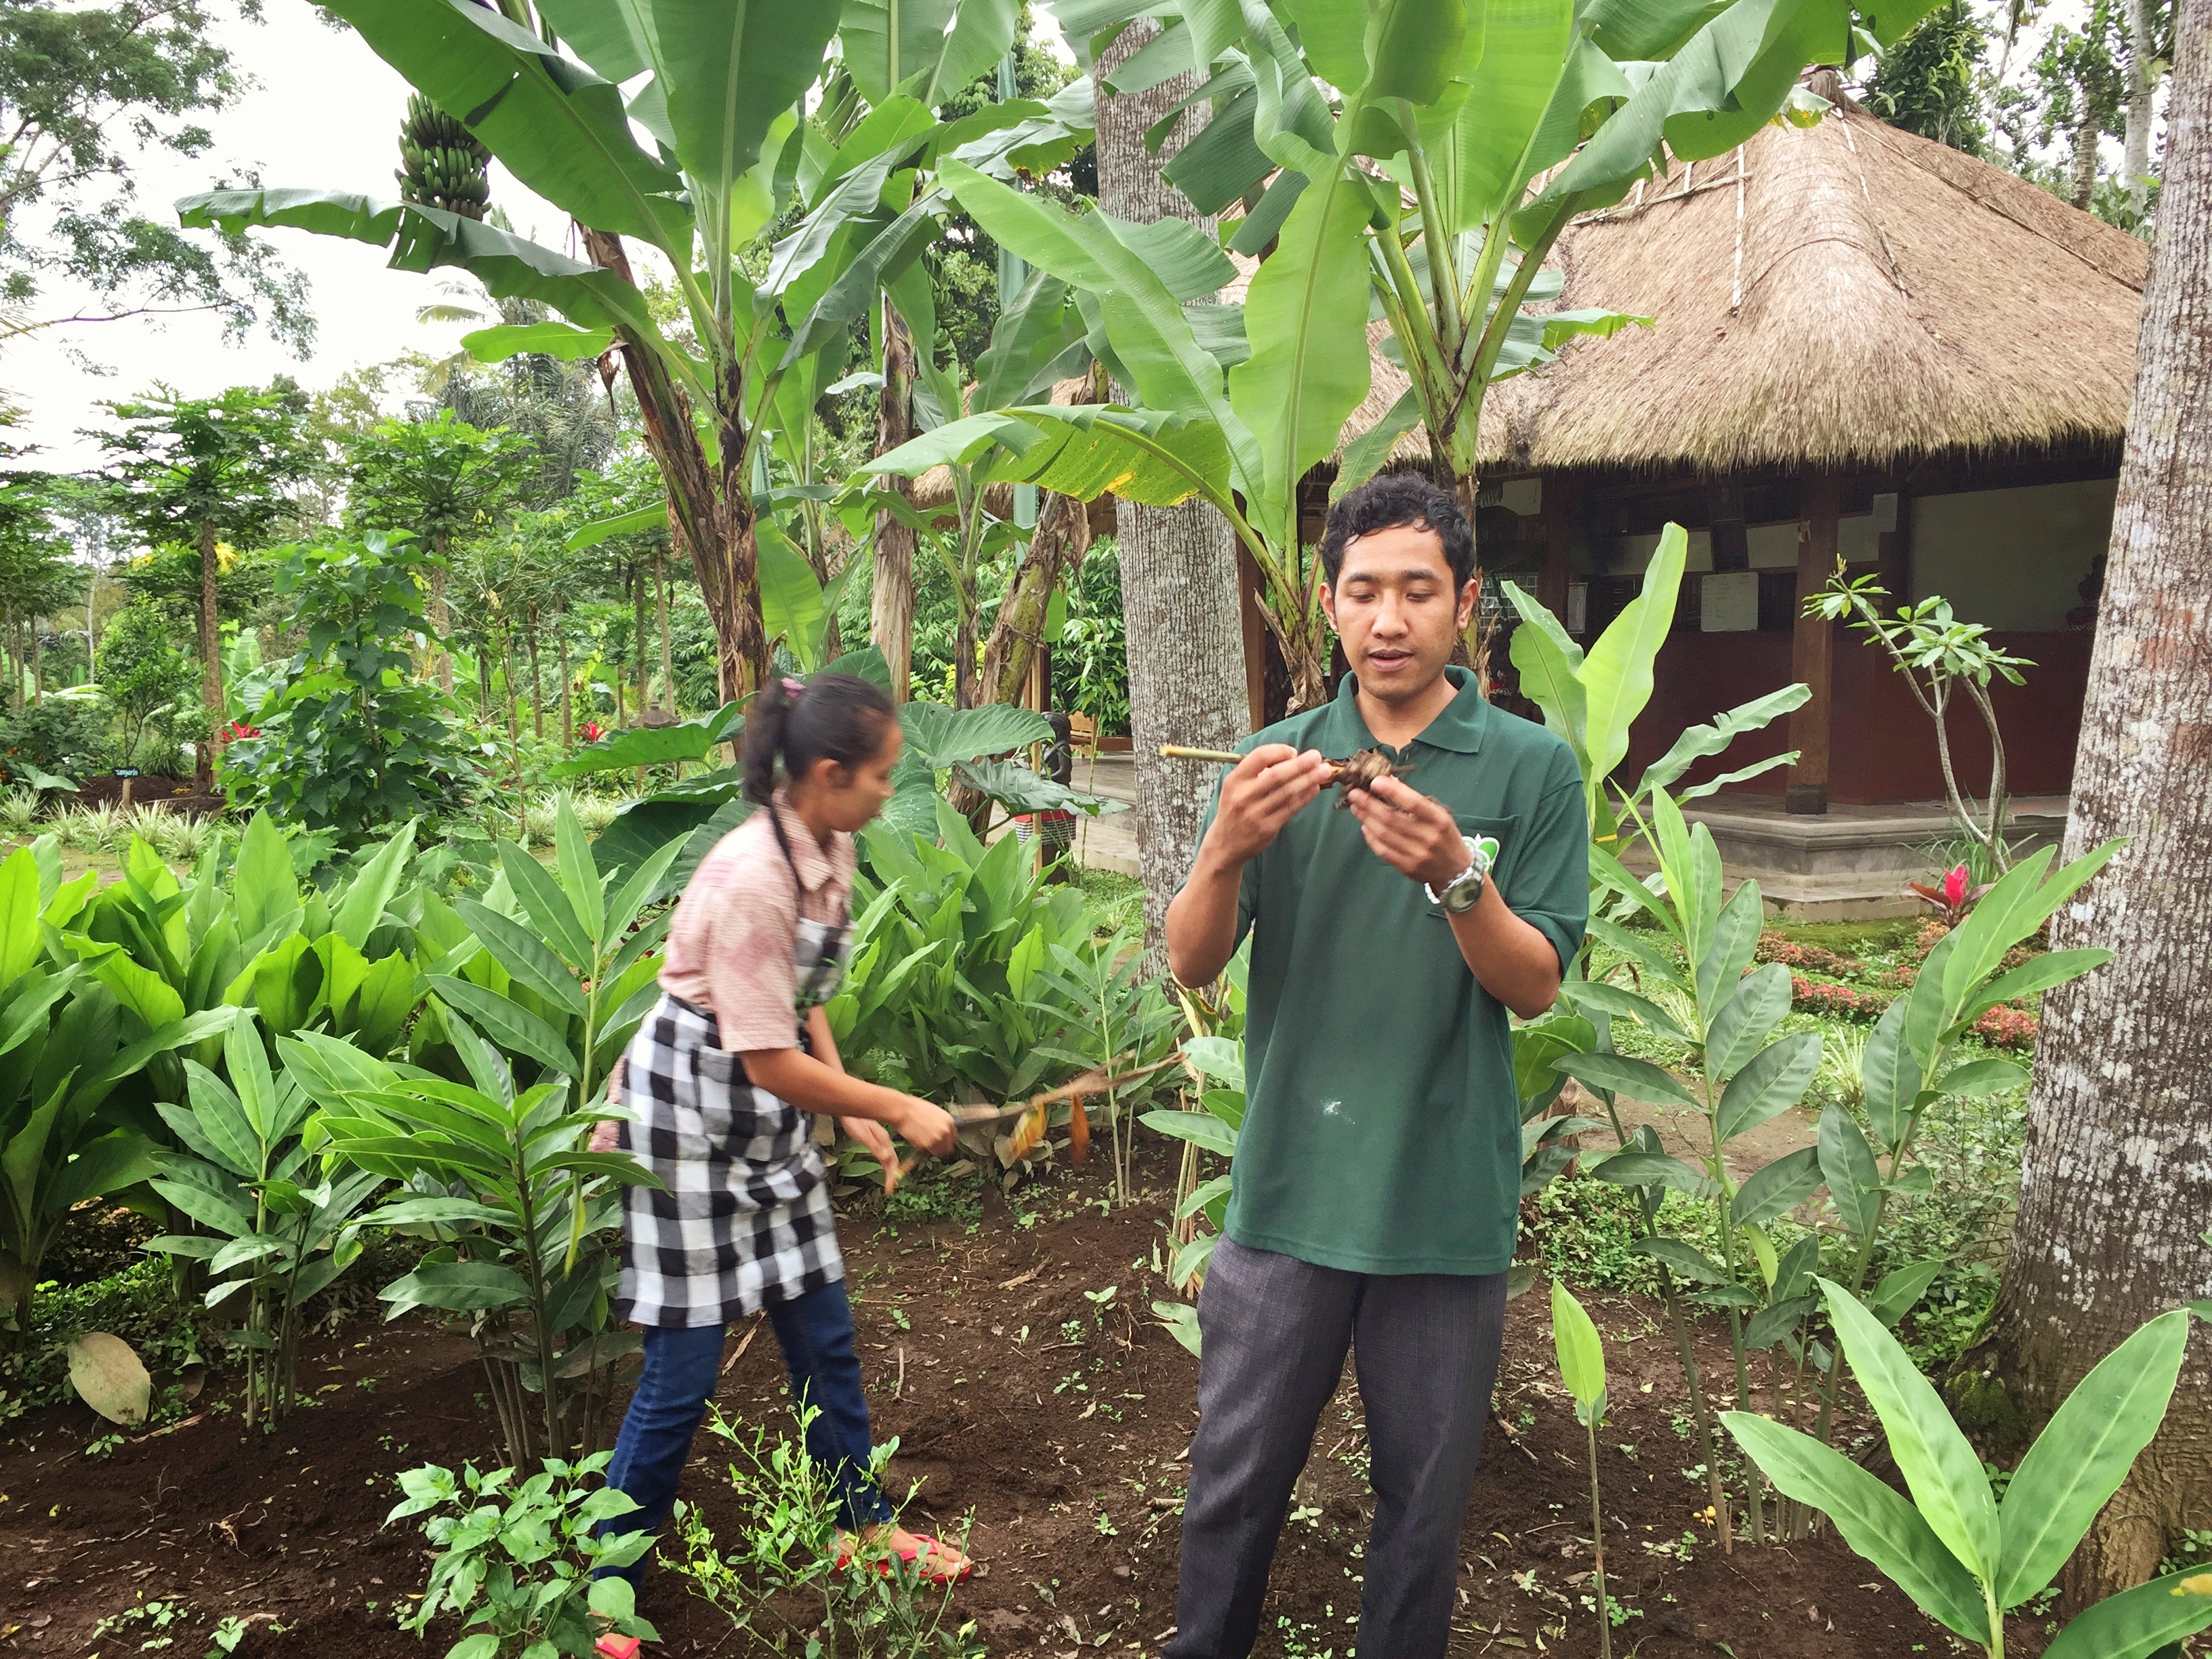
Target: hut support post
(1814, 645)
(1249, 586)
(1558, 568)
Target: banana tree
(721, 94)
(1500, 119)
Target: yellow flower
(2195, 1584)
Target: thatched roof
(1844, 294)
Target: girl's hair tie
(792, 688)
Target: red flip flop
(618, 1646)
(929, 1575)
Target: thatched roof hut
(1843, 296)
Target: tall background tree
(2116, 1186)
(207, 474)
(84, 92)
(1179, 593)
(441, 479)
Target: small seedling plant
(518, 1558)
(1581, 1367)
(1965, 1554)
(795, 1581)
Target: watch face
(1465, 896)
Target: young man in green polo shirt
(1378, 1171)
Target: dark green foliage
(144, 681)
(1090, 661)
(351, 740)
(1929, 82)
(64, 736)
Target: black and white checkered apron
(742, 1217)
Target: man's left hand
(1412, 834)
(876, 1140)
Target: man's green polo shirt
(1382, 1129)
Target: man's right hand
(1260, 794)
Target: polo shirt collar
(1459, 727)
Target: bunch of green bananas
(443, 166)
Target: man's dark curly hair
(1395, 499)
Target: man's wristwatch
(1464, 891)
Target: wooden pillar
(1813, 650)
(1731, 540)
(1248, 590)
(1558, 513)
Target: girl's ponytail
(793, 725)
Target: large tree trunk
(714, 516)
(1179, 563)
(890, 604)
(2085, 162)
(210, 663)
(2116, 1185)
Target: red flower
(592, 732)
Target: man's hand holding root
(1413, 834)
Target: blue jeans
(815, 1333)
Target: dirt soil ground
(1057, 1430)
(151, 789)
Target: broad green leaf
(215, 1125)
(1873, 1519)
(1774, 1080)
(1941, 1468)
(1117, 264)
(931, 47)
(1685, 1259)
(1749, 1016)
(561, 130)
(20, 941)
(1306, 318)
(939, 736)
(580, 877)
(548, 908)
(1980, 1077)
(1890, 1073)
(524, 956)
(2036, 974)
(1769, 1324)
(2084, 1453)
(513, 1027)
(1847, 1165)
(1616, 671)
(1624, 1003)
(790, 597)
(1642, 1169)
(1900, 1289)
(1779, 1187)
(1581, 1355)
(1721, 937)
(1549, 664)
(141, 990)
(423, 238)
(550, 338)
(1699, 741)
(378, 882)
(1638, 1079)
(1218, 1057)
(2138, 1623)
(622, 524)
(652, 745)
(1202, 1129)
(1480, 161)
(2021, 902)
(460, 1286)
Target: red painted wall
(1883, 747)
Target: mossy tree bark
(2116, 1187)
(1179, 598)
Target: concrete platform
(1108, 841)
(1851, 861)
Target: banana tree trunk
(2117, 1179)
(667, 650)
(1057, 544)
(890, 615)
(714, 515)
(210, 663)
